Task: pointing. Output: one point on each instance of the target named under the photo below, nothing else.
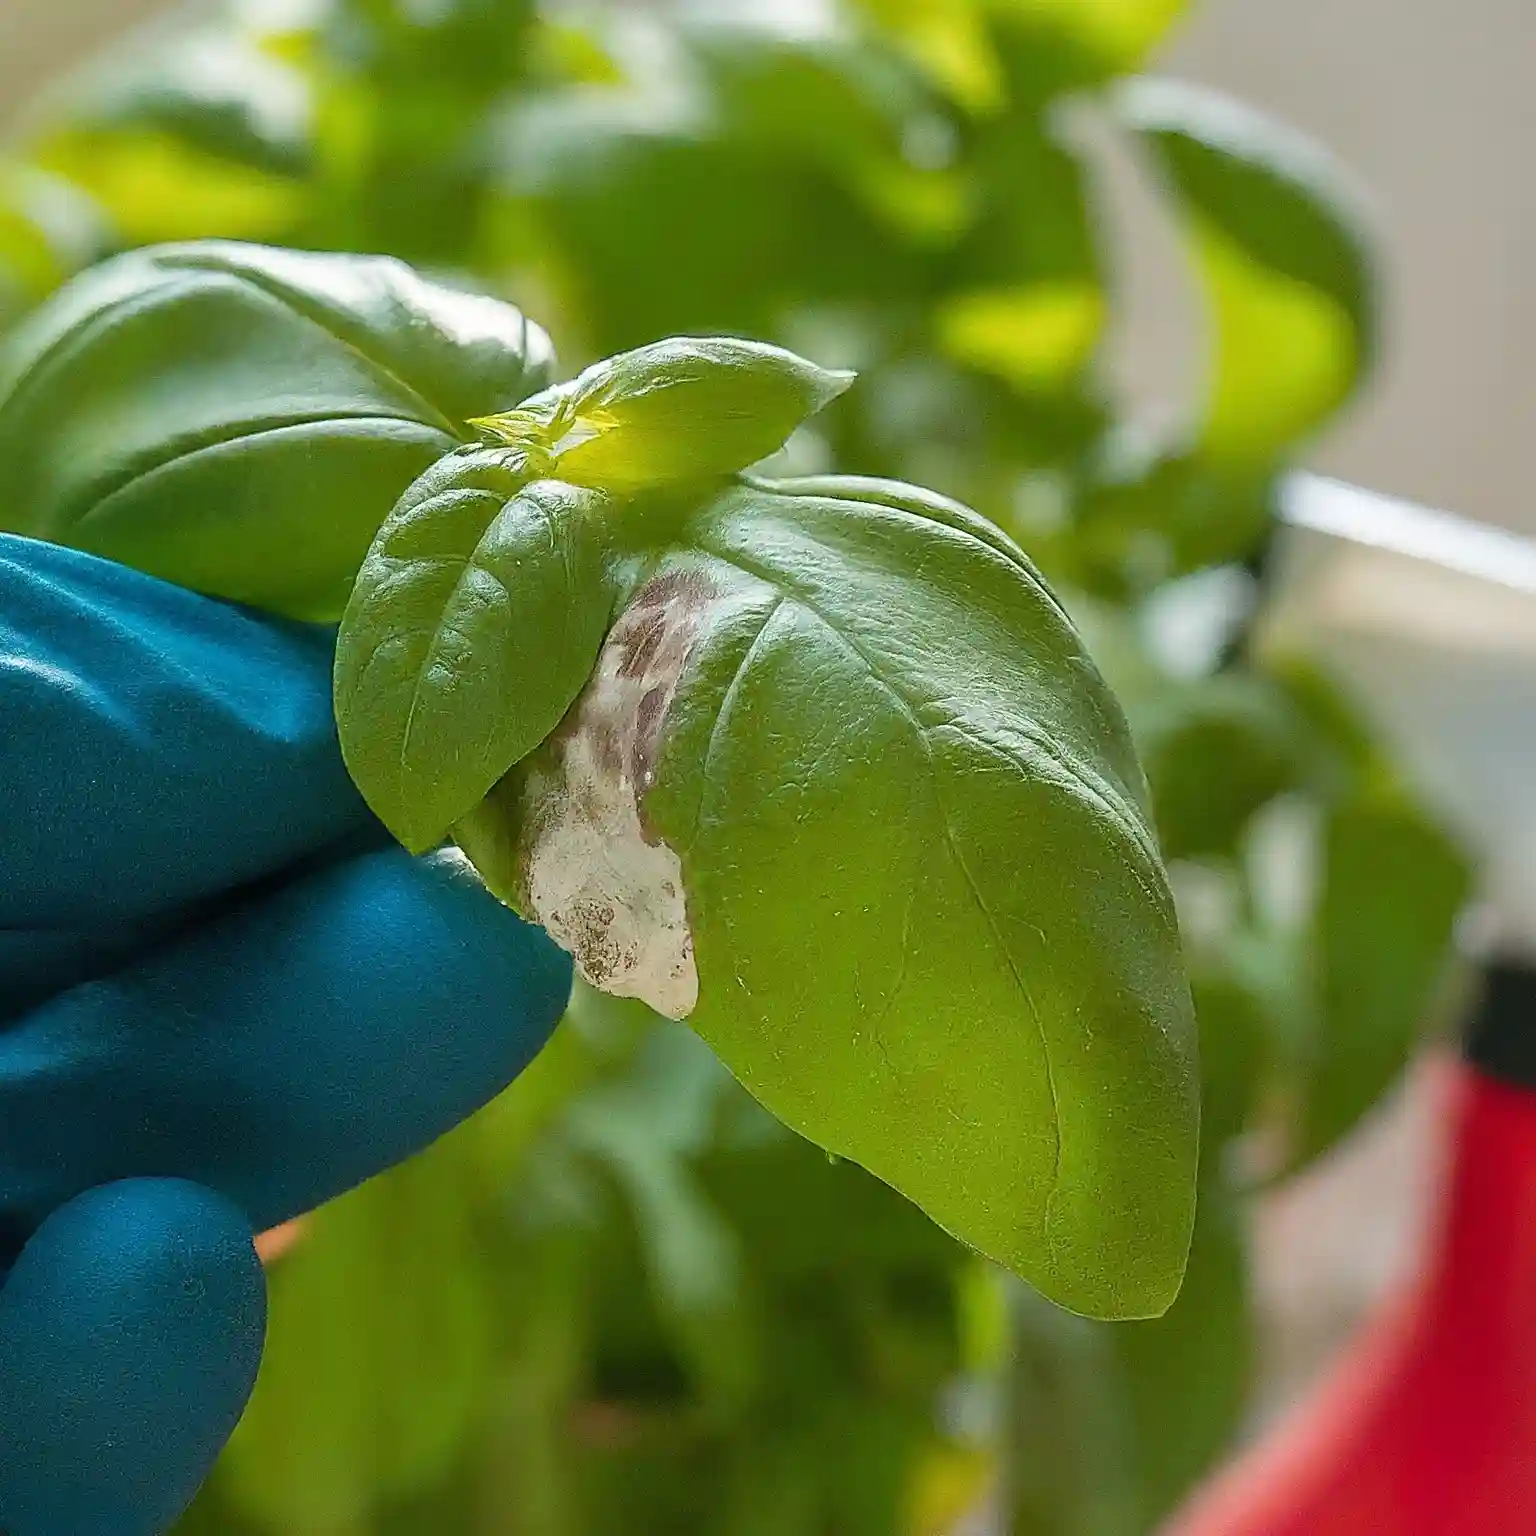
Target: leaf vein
(905, 709)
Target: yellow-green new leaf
(683, 410)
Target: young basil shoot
(821, 766)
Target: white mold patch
(605, 889)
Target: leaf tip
(832, 383)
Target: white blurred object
(1431, 621)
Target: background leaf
(1286, 265)
(1393, 886)
(377, 1355)
(48, 227)
(1215, 752)
(1187, 1375)
(1113, 1424)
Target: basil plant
(820, 765)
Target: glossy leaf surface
(240, 419)
(925, 919)
(480, 588)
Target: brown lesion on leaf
(604, 886)
(639, 648)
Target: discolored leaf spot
(565, 838)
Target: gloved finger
(155, 746)
(130, 1333)
(286, 1051)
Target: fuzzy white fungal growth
(605, 889)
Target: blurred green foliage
(622, 1299)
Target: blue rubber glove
(225, 997)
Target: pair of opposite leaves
(820, 765)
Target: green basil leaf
(834, 107)
(686, 409)
(1393, 885)
(1339, 752)
(1284, 258)
(1215, 751)
(1237, 1026)
(475, 620)
(1148, 512)
(846, 791)
(949, 41)
(812, 95)
(240, 419)
(1113, 36)
(1067, 1444)
(648, 1130)
(711, 234)
(1201, 1356)
(199, 134)
(48, 230)
(1026, 297)
(379, 1353)
(154, 185)
(212, 89)
(1093, 1448)
(1048, 48)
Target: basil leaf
(1393, 885)
(1202, 1356)
(681, 410)
(1099, 40)
(1067, 1442)
(1092, 1447)
(949, 41)
(240, 419)
(846, 791)
(1050, 48)
(1216, 751)
(1285, 260)
(646, 1131)
(475, 620)
(379, 1352)
(48, 229)
(1027, 300)
(1237, 1023)
(211, 88)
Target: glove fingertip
(131, 1329)
(508, 957)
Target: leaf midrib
(185, 450)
